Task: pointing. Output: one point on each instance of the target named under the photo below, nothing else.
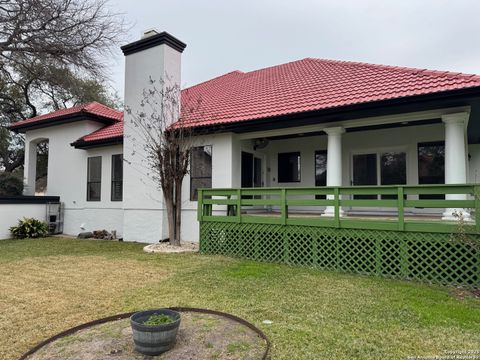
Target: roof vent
(149, 32)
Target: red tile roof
(309, 84)
(107, 132)
(295, 87)
(93, 108)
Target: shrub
(10, 184)
(29, 228)
(158, 319)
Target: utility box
(55, 218)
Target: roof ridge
(406, 69)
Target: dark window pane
(289, 167)
(201, 161)
(431, 166)
(200, 169)
(247, 170)
(393, 170)
(94, 191)
(365, 172)
(117, 177)
(94, 178)
(257, 172)
(320, 171)
(117, 167)
(199, 183)
(95, 168)
(117, 187)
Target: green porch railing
(230, 202)
(435, 251)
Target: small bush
(29, 228)
(158, 319)
(10, 184)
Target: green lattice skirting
(422, 256)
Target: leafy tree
(52, 55)
(10, 184)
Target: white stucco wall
(65, 163)
(82, 215)
(144, 218)
(67, 178)
(11, 213)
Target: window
(289, 167)
(431, 165)
(365, 172)
(379, 168)
(94, 178)
(320, 170)
(393, 170)
(251, 170)
(200, 169)
(117, 177)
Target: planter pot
(154, 339)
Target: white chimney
(149, 32)
(156, 56)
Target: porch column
(334, 163)
(30, 167)
(455, 159)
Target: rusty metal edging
(126, 315)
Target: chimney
(156, 56)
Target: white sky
(223, 36)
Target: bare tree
(62, 32)
(53, 54)
(166, 141)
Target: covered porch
(427, 148)
(393, 196)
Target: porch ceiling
(357, 129)
(356, 124)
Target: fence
(444, 252)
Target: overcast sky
(223, 36)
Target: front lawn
(49, 285)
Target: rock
(85, 235)
(100, 234)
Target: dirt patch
(165, 247)
(200, 336)
(462, 293)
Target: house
(312, 123)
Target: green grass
(49, 285)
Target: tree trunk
(178, 211)
(171, 218)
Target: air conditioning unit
(55, 218)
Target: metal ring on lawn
(126, 315)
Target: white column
(334, 163)
(30, 167)
(455, 159)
